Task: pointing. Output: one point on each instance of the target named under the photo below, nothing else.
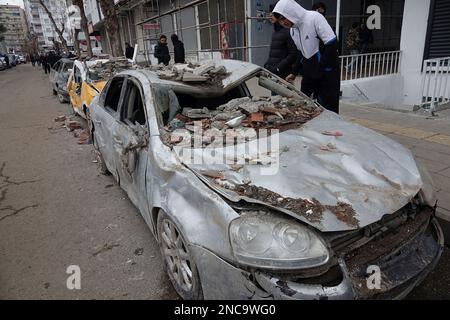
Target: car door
(63, 75)
(54, 73)
(130, 143)
(105, 119)
(75, 88)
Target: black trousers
(46, 67)
(325, 89)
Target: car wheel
(178, 260)
(54, 92)
(61, 98)
(102, 168)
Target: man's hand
(291, 78)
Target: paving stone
(444, 199)
(430, 155)
(414, 133)
(440, 138)
(445, 172)
(441, 148)
(441, 182)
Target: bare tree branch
(58, 30)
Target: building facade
(13, 18)
(40, 25)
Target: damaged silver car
(326, 209)
(59, 75)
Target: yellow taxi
(83, 86)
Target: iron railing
(370, 65)
(435, 83)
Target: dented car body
(59, 76)
(311, 218)
(81, 88)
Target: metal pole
(338, 17)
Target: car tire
(54, 92)
(178, 260)
(61, 98)
(102, 168)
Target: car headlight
(427, 191)
(265, 240)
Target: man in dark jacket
(178, 49)
(129, 51)
(283, 53)
(161, 50)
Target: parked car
(59, 76)
(3, 65)
(12, 59)
(328, 205)
(83, 86)
(21, 58)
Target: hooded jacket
(283, 53)
(178, 49)
(309, 27)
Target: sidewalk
(428, 138)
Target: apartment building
(13, 18)
(40, 25)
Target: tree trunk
(77, 43)
(84, 25)
(112, 27)
(58, 30)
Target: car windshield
(261, 102)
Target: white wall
(414, 29)
(383, 90)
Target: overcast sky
(14, 2)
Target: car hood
(353, 178)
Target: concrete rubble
(232, 119)
(207, 73)
(107, 69)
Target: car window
(77, 75)
(67, 66)
(113, 94)
(133, 107)
(56, 65)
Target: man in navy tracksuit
(321, 78)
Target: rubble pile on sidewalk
(207, 73)
(232, 119)
(107, 69)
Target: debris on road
(72, 125)
(60, 118)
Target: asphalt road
(57, 211)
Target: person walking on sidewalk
(162, 51)
(178, 49)
(321, 79)
(283, 53)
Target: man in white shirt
(321, 78)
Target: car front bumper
(401, 271)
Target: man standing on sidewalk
(320, 71)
